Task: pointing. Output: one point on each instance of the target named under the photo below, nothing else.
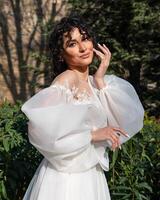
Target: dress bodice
(61, 120)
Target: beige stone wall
(29, 20)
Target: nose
(82, 47)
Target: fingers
(113, 144)
(115, 140)
(98, 53)
(113, 136)
(121, 131)
(107, 49)
(104, 49)
(116, 143)
(104, 55)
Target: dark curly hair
(55, 43)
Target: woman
(77, 117)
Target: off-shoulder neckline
(72, 91)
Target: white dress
(60, 128)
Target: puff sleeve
(60, 130)
(122, 105)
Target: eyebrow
(72, 40)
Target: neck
(82, 74)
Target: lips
(86, 55)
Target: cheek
(70, 55)
(90, 45)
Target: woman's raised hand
(109, 133)
(104, 55)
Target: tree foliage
(131, 30)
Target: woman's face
(77, 50)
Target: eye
(85, 37)
(72, 44)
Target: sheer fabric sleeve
(122, 105)
(59, 130)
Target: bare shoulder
(68, 77)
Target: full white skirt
(50, 184)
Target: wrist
(93, 134)
(100, 83)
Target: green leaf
(122, 188)
(144, 185)
(114, 158)
(6, 144)
(3, 189)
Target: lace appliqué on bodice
(73, 93)
(80, 96)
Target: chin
(86, 61)
(85, 64)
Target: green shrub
(18, 158)
(134, 169)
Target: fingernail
(99, 44)
(120, 147)
(127, 135)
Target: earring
(61, 59)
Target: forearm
(96, 137)
(110, 134)
(99, 82)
